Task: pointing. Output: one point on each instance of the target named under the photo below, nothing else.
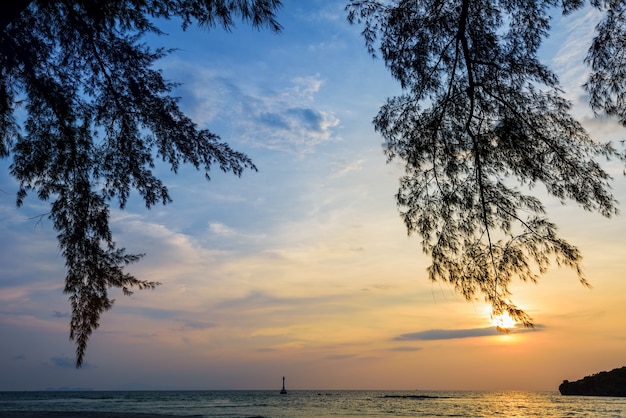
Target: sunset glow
(304, 269)
(503, 321)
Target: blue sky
(304, 268)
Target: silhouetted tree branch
(479, 117)
(96, 113)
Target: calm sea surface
(319, 403)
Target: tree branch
(11, 10)
(462, 37)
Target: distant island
(611, 383)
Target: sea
(311, 403)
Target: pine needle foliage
(481, 121)
(97, 115)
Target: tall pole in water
(283, 391)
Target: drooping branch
(481, 116)
(474, 136)
(11, 10)
(96, 115)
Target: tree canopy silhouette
(84, 115)
(96, 112)
(480, 121)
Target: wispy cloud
(218, 228)
(569, 58)
(451, 334)
(408, 349)
(286, 119)
(64, 362)
(340, 356)
(331, 13)
(197, 325)
(578, 37)
(343, 169)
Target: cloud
(218, 228)
(451, 334)
(322, 14)
(405, 349)
(315, 120)
(578, 37)
(285, 119)
(342, 170)
(64, 362)
(274, 120)
(158, 314)
(197, 325)
(296, 129)
(340, 357)
(304, 88)
(254, 299)
(443, 334)
(174, 316)
(569, 58)
(335, 43)
(224, 231)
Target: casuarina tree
(480, 122)
(83, 115)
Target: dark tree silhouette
(96, 112)
(481, 120)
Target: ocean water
(318, 404)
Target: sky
(304, 269)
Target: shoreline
(85, 414)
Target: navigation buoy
(283, 391)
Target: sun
(503, 321)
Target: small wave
(416, 397)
